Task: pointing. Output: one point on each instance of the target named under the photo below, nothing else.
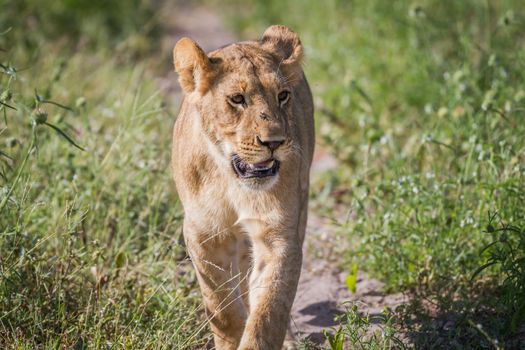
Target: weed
(506, 254)
(364, 331)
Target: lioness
(242, 149)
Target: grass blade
(64, 135)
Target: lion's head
(244, 93)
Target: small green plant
(364, 331)
(505, 257)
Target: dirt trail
(321, 288)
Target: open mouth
(245, 170)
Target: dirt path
(321, 288)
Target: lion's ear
(285, 44)
(192, 65)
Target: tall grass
(93, 23)
(90, 253)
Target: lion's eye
(237, 99)
(283, 96)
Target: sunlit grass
(90, 239)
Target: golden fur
(244, 235)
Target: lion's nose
(272, 145)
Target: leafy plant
(351, 279)
(506, 256)
(364, 331)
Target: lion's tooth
(261, 166)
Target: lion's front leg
(276, 268)
(214, 256)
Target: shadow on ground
(459, 320)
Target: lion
(242, 148)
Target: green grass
(90, 253)
(84, 23)
(423, 103)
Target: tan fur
(244, 236)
